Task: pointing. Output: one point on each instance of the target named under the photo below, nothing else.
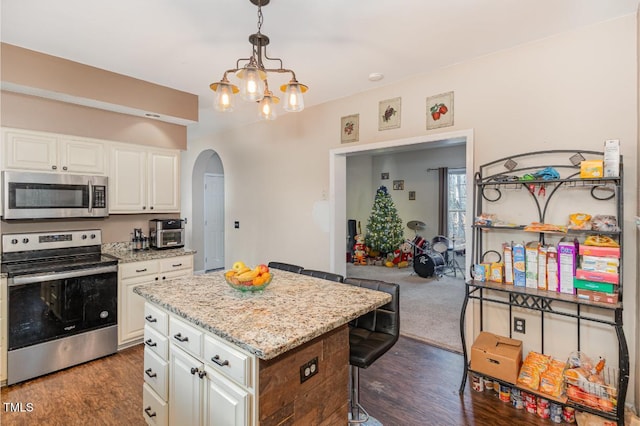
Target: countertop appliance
(166, 233)
(30, 195)
(62, 301)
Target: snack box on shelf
(496, 356)
(597, 296)
(519, 262)
(599, 251)
(566, 267)
(594, 286)
(591, 169)
(600, 264)
(601, 277)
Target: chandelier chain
(260, 17)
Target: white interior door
(213, 221)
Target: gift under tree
(384, 229)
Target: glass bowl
(248, 285)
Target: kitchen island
(272, 357)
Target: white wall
(570, 91)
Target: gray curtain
(443, 200)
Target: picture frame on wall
(384, 176)
(412, 195)
(440, 111)
(350, 128)
(389, 114)
(398, 185)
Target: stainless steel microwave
(30, 195)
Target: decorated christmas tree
(384, 230)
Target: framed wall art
(384, 176)
(440, 111)
(389, 114)
(398, 185)
(350, 128)
(412, 195)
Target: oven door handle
(50, 276)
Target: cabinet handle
(150, 373)
(217, 360)
(179, 338)
(150, 318)
(164, 278)
(144, 207)
(201, 374)
(151, 208)
(177, 265)
(54, 167)
(156, 278)
(150, 342)
(64, 168)
(141, 270)
(149, 413)
(194, 370)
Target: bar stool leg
(355, 409)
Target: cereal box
(519, 277)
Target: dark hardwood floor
(412, 384)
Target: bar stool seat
(370, 337)
(322, 274)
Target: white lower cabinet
(226, 404)
(185, 388)
(207, 380)
(131, 321)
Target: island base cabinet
(154, 409)
(320, 400)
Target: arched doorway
(207, 194)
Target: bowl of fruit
(243, 278)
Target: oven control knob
(14, 241)
(84, 236)
(93, 236)
(25, 241)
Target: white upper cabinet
(50, 152)
(144, 180)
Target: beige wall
(572, 91)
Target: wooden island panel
(320, 400)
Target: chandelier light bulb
(224, 95)
(252, 88)
(294, 102)
(267, 107)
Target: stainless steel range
(62, 301)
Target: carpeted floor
(429, 307)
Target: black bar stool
(324, 275)
(285, 267)
(370, 337)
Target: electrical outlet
(236, 224)
(308, 370)
(519, 325)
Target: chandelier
(254, 86)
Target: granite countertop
(291, 311)
(125, 255)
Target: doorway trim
(338, 184)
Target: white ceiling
(332, 45)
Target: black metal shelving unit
(488, 188)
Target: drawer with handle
(185, 336)
(156, 342)
(229, 361)
(156, 318)
(176, 263)
(134, 269)
(156, 373)
(154, 410)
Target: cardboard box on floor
(497, 356)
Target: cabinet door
(226, 404)
(185, 388)
(127, 180)
(131, 324)
(82, 156)
(30, 151)
(164, 181)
